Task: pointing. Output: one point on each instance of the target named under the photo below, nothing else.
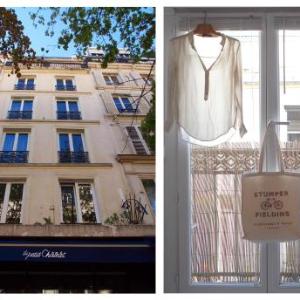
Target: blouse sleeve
(239, 93)
(170, 108)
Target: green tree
(102, 27)
(14, 44)
(148, 124)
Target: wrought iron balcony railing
(61, 87)
(20, 86)
(15, 114)
(73, 157)
(14, 156)
(68, 115)
(129, 110)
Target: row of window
(78, 201)
(61, 84)
(113, 79)
(72, 148)
(68, 84)
(66, 109)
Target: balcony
(128, 110)
(23, 86)
(73, 157)
(24, 115)
(68, 115)
(14, 157)
(62, 87)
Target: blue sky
(38, 38)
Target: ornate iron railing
(73, 157)
(15, 114)
(14, 156)
(135, 211)
(68, 115)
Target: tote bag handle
(271, 131)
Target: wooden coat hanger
(205, 29)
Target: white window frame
(17, 133)
(6, 200)
(178, 174)
(75, 184)
(137, 128)
(67, 103)
(71, 140)
(22, 102)
(130, 98)
(146, 195)
(110, 78)
(64, 82)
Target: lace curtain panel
(219, 253)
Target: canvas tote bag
(271, 201)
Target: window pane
(289, 64)
(9, 142)
(2, 194)
(77, 143)
(16, 105)
(86, 203)
(118, 104)
(27, 105)
(69, 82)
(127, 103)
(149, 186)
(61, 106)
(13, 214)
(68, 204)
(73, 106)
(64, 143)
(219, 254)
(22, 142)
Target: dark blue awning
(106, 250)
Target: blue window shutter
(9, 142)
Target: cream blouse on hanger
(206, 101)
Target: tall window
(68, 110)
(14, 148)
(65, 84)
(149, 186)
(137, 140)
(25, 84)
(124, 104)
(11, 195)
(71, 148)
(215, 255)
(78, 203)
(20, 109)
